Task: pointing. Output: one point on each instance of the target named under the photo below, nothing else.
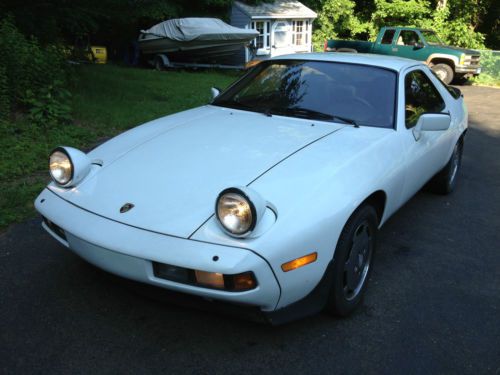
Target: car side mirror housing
(215, 92)
(418, 45)
(431, 122)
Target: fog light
(210, 279)
(173, 273)
(299, 262)
(230, 283)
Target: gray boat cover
(187, 29)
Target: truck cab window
(408, 38)
(388, 35)
(420, 97)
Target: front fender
(315, 192)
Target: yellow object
(462, 59)
(299, 262)
(244, 281)
(98, 54)
(211, 279)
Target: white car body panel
(313, 174)
(173, 178)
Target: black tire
(353, 261)
(444, 72)
(158, 64)
(445, 180)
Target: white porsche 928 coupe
(271, 196)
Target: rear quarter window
(388, 36)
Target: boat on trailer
(193, 42)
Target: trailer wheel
(158, 64)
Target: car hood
(172, 170)
(462, 50)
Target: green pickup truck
(424, 45)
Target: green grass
(486, 79)
(107, 100)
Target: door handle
(394, 50)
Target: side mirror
(456, 92)
(215, 92)
(431, 122)
(418, 45)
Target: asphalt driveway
(433, 305)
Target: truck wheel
(444, 72)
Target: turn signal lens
(243, 281)
(299, 262)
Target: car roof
(390, 62)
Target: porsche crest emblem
(126, 207)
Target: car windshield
(431, 37)
(320, 90)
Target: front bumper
(130, 252)
(471, 70)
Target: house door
(281, 41)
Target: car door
(384, 45)
(409, 44)
(426, 151)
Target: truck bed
(358, 45)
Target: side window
(408, 38)
(454, 92)
(388, 35)
(420, 97)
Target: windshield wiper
(302, 112)
(312, 114)
(346, 120)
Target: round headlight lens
(235, 212)
(61, 168)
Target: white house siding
(282, 11)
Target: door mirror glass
(418, 45)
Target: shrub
(4, 95)
(490, 64)
(31, 75)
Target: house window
(263, 27)
(300, 32)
